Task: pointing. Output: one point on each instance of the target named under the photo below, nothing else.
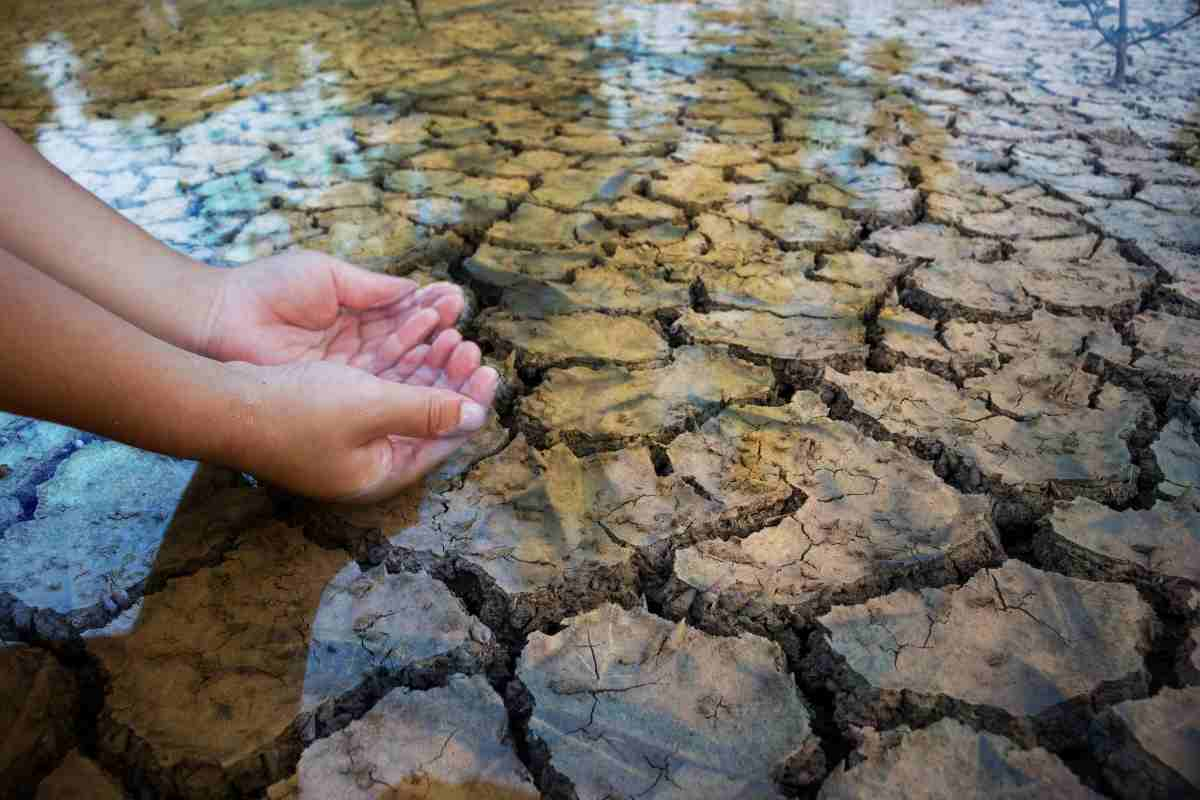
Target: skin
(326, 379)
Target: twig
(1095, 18)
(1164, 31)
(1121, 38)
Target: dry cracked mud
(870, 517)
(450, 741)
(1147, 748)
(79, 776)
(848, 442)
(269, 645)
(1030, 436)
(1016, 650)
(628, 703)
(971, 763)
(1155, 548)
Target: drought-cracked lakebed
(849, 439)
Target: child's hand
(327, 379)
(307, 306)
(322, 346)
(334, 432)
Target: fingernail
(471, 417)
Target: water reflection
(159, 16)
(636, 159)
(80, 518)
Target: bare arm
(322, 429)
(106, 329)
(51, 222)
(66, 359)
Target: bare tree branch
(1093, 8)
(1122, 37)
(1161, 32)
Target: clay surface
(1014, 640)
(1147, 748)
(448, 742)
(628, 702)
(848, 401)
(971, 764)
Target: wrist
(200, 290)
(231, 416)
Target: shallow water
(795, 304)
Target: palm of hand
(304, 306)
(301, 307)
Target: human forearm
(66, 359)
(323, 429)
(49, 221)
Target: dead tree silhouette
(1121, 37)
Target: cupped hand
(334, 432)
(302, 305)
(359, 383)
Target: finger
(428, 295)
(397, 409)
(449, 308)
(424, 375)
(462, 362)
(390, 311)
(412, 332)
(432, 371)
(443, 346)
(481, 386)
(360, 288)
(411, 459)
(408, 363)
(448, 304)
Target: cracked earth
(848, 444)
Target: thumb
(361, 289)
(420, 412)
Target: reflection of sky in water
(177, 185)
(195, 189)
(168, 183)
(663, 42)
(96, 520)
(156, 14)
(666, 28)
(651, 48)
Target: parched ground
(849, 441)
